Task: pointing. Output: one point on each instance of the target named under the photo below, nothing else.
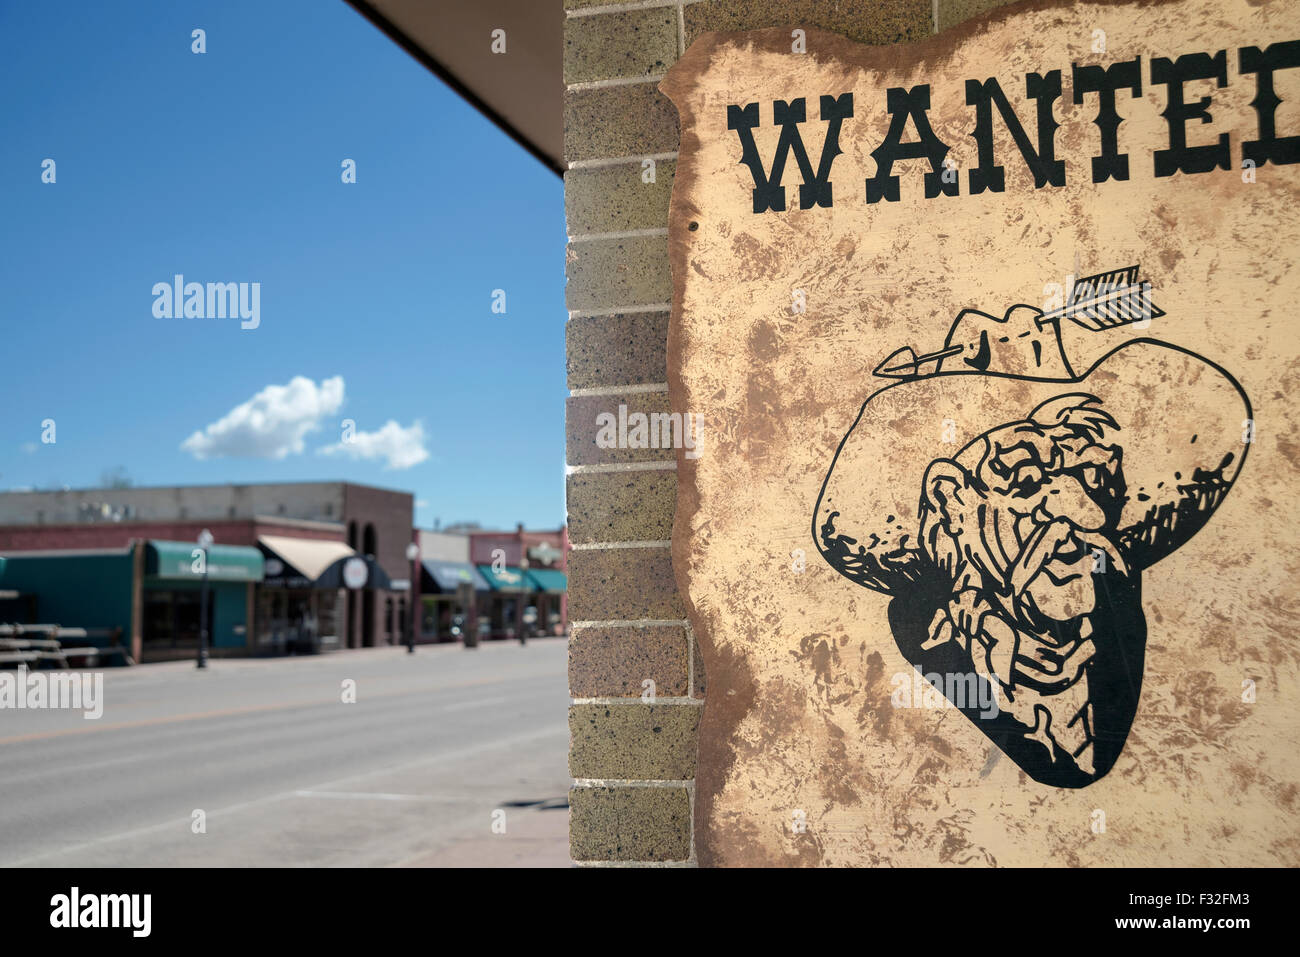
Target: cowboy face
(998, 574)
(1034, 507)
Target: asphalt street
(447, 757)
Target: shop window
(171, 618)
(326, 616)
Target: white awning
(309, 557)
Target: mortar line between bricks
(620, 234)
(690, 795)
(629, 783)
(606, 546)
(620, 160)
(584, 85)
(690, 662)
(629, 623)
(631, 863)
(667, 465)
(619, 310)
(693, 702)
(620, 389)
(619, 7)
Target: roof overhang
(521, 90)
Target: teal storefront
(90, 589)
(523, 600)
(172, 590)
(145, 596)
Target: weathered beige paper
(804, 757)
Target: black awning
(346, 573)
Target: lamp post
(412, 553)
(520, 614)
(205, 543)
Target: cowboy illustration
(1014, 552)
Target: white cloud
(402, 447)
(272, 424)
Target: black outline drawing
(997, 582)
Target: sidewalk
(535, 837)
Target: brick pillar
(634, 762)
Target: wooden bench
(17, 647)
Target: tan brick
(618, 584)
(629, 43)
(877, 22)
(631, 119)
(610, 199)
(614, 662)
(583, 412)
(630, 824)
(608, 274)
(624, 349)
(621, 506)
(952, 12)
(635, 742)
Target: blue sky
(225, 167)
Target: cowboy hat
(1181, 421)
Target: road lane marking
(183, 823)
(250, 709)
(371, 796)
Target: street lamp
(520, 615)
(205, 543)
(412, 553)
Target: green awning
(548, 579)
(509, 578)
(226, 563)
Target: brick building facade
(373, 521)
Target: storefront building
(449, 595)
(525, 571)
(170, 599)
(144, 598)
(295, 566)
(305, 590)
(500, 584)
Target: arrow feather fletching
(1109, 299)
